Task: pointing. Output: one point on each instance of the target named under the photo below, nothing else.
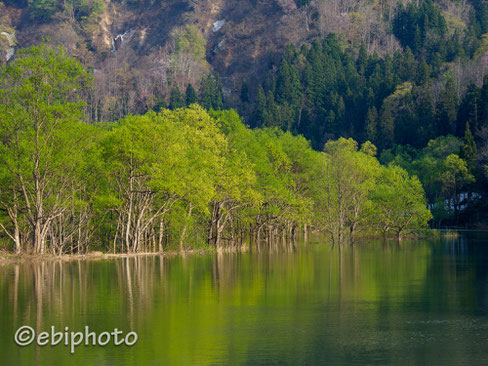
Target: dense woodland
(181, 178)
(322, 93)
(344, 133)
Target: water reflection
(375, 302)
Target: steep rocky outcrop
(243, 36)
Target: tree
(454, 179)
(399, 202)
(484, 102)
(408, 67)
(387, 125)
(42, 134)
(425, 115)
(176, 98)
(343, 196)
(211, 96)
(191, 95)
(260, 108)
(362, 59)
(447, 109)
(469, 151)
(469, 110)
(244, 91)
(423, 72)
(156, 161)
(288, 87)
(235, 191)
(372, 124)
(188, 63)
(43, 9)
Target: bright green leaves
(176, 153)
(184, 175)
(357, 194)
(447, 169)
(42, 139)
(343, 195)
(455, 174)
(190, 40)
(399, 202)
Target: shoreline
(7, 258)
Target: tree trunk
(18, 246)
(161, 232)
(183, 232)
(399, 235)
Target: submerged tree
(399, 202)
(183, 176)
(42, 136)
(344, 192)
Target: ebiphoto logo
(26, 335)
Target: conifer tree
(469, 110)
(371, 125)
(447, 109)
(176, 98)
(191, 96)
(211, 96)
(483, 112)
(469, 151)
(387, 126)
(244, 92)
(423, 72)
(425, 115)
(260, 108)
(362, 59)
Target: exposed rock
(11, 42)
(218, 25)
(120, 39)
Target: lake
(378, 302)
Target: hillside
(403, 75)
(243, 39)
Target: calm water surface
(420, 302)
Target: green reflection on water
(373, 303)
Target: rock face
(10, 49)
(243, 37)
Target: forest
(322, 93)
(351, 136)
(243, 182)
(176, 179)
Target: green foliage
(326, 90)
(188, 59)
(372, 124)
(417, 26)
(176, 98)
(301, 3)
(445, 172)
(211, 95)
(322, 92)
(42, 138)
(447, 108)
(191, 41)
(244, 92)
(399, 202)
(44, 10)
(469, 151)
(191, 96)
(349, 178)
(182, 176)
(387, 125)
